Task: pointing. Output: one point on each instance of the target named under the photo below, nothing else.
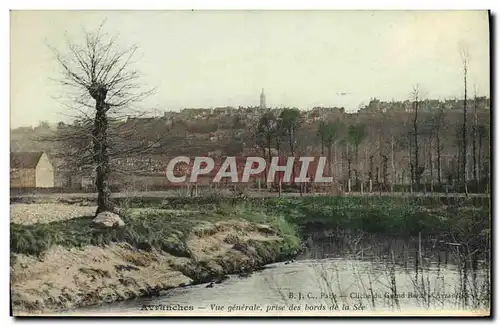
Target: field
(229, 193)
(449, 216)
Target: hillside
(199, 132)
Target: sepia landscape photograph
(250, 163)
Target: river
(327, 286)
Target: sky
(224, 58)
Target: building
(31, 170)
(262, 100)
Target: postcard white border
(189, 4)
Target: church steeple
(262, 100)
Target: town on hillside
(371, 149)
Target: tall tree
(322, 130)
(278, 134)
(482, 133)
(474, 143)
(332, 132)
(267, 130)
(290, 122)
(417, 170)
(427, 131)
(100, 83)
(356, 134)
(464, 53)
(384, 135)
(438, 124)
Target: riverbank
(68, 264)
(459, 218)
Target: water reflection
(352, 282)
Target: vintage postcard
(250, 163)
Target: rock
(108, 219)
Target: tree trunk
(335, 162)
(322, 145)
(412, 172)
(379, 169)
(489, 176)
(431, 165)
(393, 166)
(101, 158)
(290, 139)
(278, 151)
(385, 173)
(438, 144)
(349, 173)
(329, 148)
(356, 173)
(292, 151)
(479, 158)
(269, 140)
(341, 164)
(416, 168)
(70, 181)
(330, 165)
(364, 167)
(370, 174)
(474, 149)
(464, 134)
(265, 167)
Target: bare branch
(100, 82)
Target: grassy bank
(153, 222)
(162, 229)
(383, 215)
(459, 218)
(68, 264)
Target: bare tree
(415, 167)
(356, 133)
(427, 130)
(464, 53)
(474, 144)
(268, 129)
(322, 131)
(482, 133)
(332, 136)
(393, 163)
(290, 121)
(385, 139)
(437, 124)
(100, 84)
